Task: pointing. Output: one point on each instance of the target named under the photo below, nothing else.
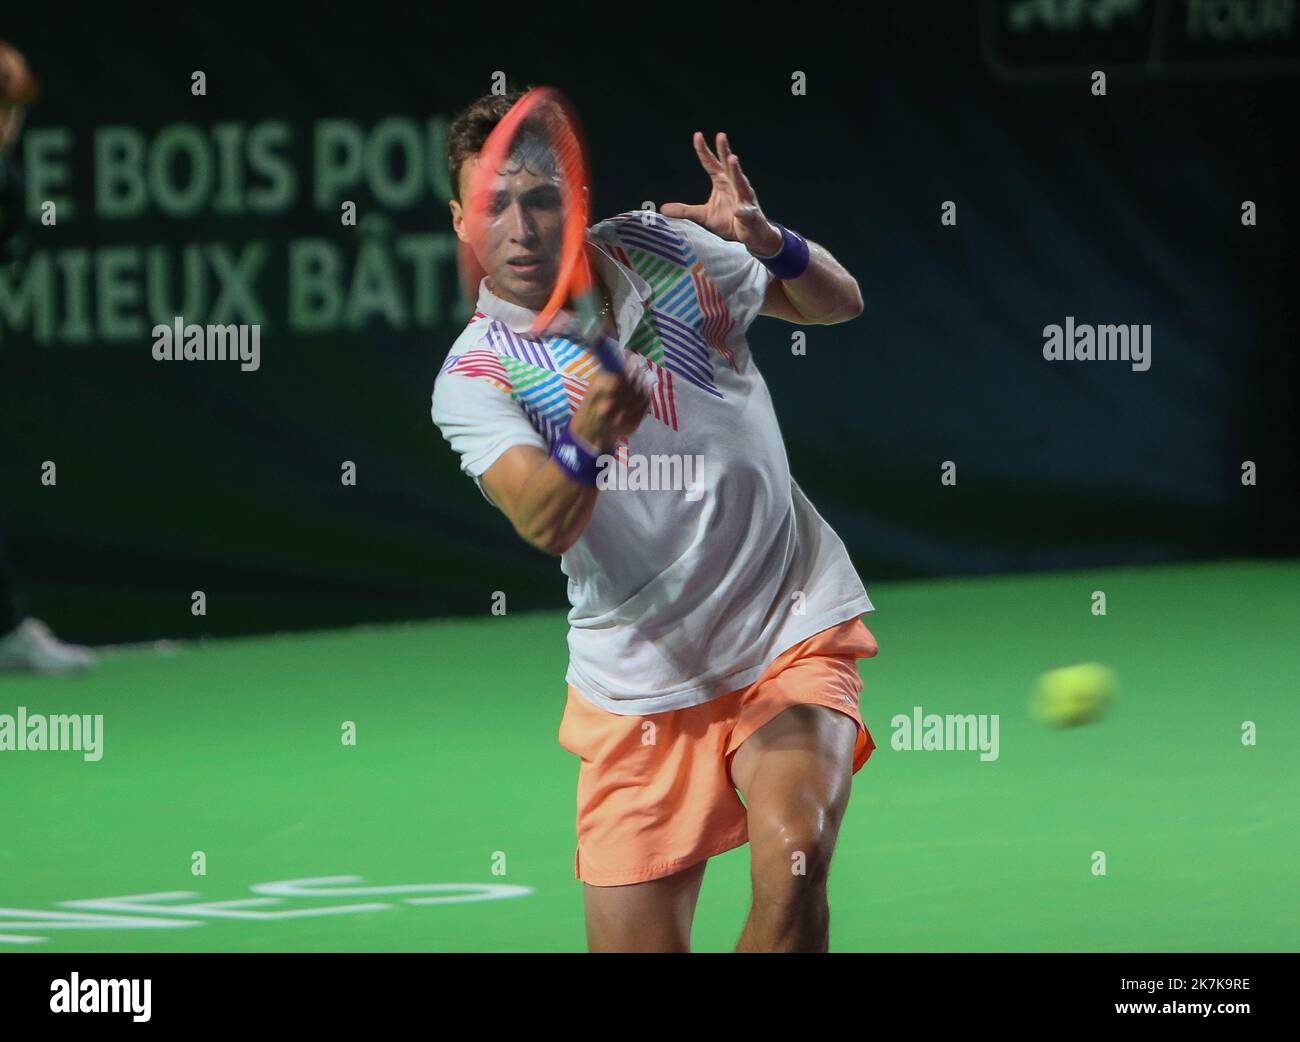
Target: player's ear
(458, 219)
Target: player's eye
(547, 198)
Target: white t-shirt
(679, 594)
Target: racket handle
(608, 354)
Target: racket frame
(574, 281)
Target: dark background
(1117, 209)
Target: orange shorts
(647, 809)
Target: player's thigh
(654, 916)
(795, 774)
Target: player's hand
(732, 211)
(614, 405)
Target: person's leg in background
(26, 644)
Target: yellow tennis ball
(1074, 695)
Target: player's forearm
(825, 293)
(553, 509)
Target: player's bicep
(777, 304)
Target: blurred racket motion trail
(541, 132)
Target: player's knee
(796, 852)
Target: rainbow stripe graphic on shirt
(685, 322)
(687, 316)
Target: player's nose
(522, 227)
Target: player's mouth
(528, 266)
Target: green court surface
(234, 748)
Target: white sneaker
(33, 647)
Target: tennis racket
(541, 133)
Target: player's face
(521, 243)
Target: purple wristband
(574, 457)
(792, 259)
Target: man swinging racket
(715, 624)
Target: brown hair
(470, 129)
(17, 84)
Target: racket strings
(542, 132)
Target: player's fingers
(724, 149)
(645, 380)
(744, 190)
(618, 422)
(603, 390)
(634, 396)
(634, 413)
(708, 160)
(690, 212)
(713, 166)
(638, 401)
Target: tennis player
(26, 644)
(715, 624)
